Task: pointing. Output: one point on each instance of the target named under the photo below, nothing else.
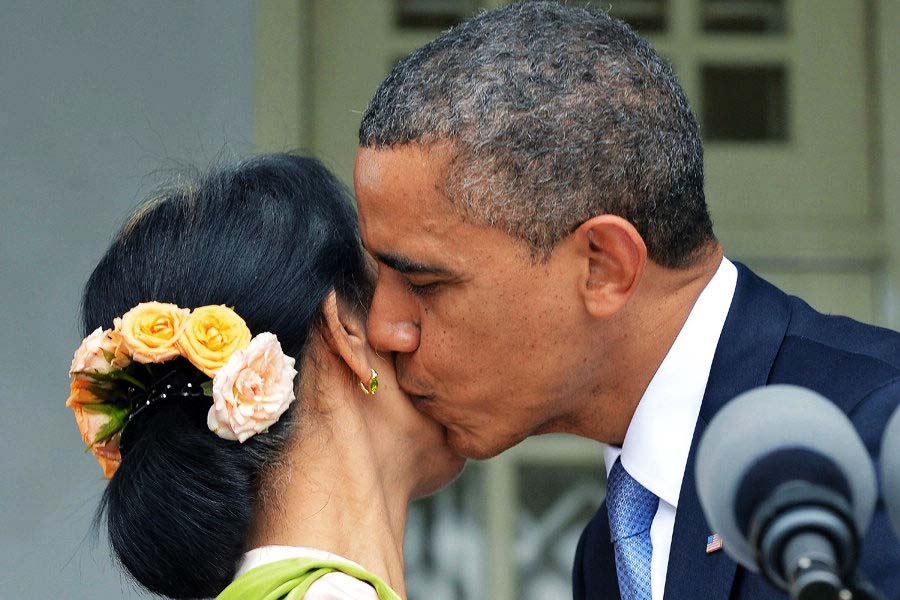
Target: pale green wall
(887, 145)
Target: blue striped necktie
(631, 509)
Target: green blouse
(290, 579)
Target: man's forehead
(407, 177)
(400, 195)
(405, 214)
(400, 164)
(396, 237)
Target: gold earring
(373, 384)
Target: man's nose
(392, 326)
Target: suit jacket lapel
(751, 338)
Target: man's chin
(464, 442)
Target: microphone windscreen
(763, 421)
(890, 470)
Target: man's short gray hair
(556, 114)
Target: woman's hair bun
(178, 508)
(270, 237)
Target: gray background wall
(94, 96)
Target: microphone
(890, 470)
(787, 483)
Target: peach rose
(212, 334)
(151, 331)
(90, 423)
(252, 390)
(80, 393)
(115, 349)
(89, 357)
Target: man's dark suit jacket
(769, 337)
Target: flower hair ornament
(250, 379)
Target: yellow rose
(211, 336)
(151, 331)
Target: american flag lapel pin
(714, 543)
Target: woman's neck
(335, 493)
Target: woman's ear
(616, 256)
(345, 337)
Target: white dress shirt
(658, 440)
(333, 586)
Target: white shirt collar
(267, 554)
(658, 440)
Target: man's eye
(420, 290)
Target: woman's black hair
(270, 237)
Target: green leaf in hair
(116, 375)
(118, 416)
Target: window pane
(556, 504)
(645, 16)
(433, 14)
(444, 550)
(744, 103)
(744, 16)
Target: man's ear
(615, 256)
(345, 336)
